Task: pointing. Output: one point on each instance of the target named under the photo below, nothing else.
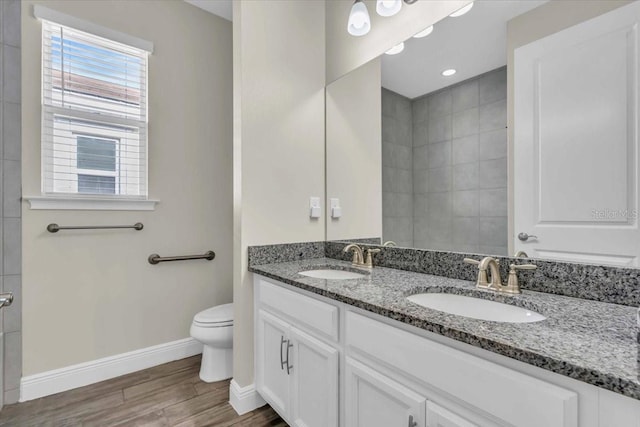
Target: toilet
(213, 327)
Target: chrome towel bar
(54, 228)
(156, 259)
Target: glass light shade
(388, 7)
(462, 11)
(359, 22)
(396, 49)
(449, 72)
(424, 33)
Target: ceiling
(472, 44)
(222, 8)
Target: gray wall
(10, 141)
(459, 166)
(397, 186)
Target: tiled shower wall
(397, 186)
(10, 142)
(459, 166)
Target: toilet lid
(219, 315)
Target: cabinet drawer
(504, 393)
(319, 317)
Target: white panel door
(576, 143)
(374, 400)
(272, 378)
(314, 371)
(437, 416)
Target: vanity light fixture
(424, 33)
(388, 7)
(449, 72)
(462, 10)
(396, 49)
(359, 22)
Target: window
(94, 115)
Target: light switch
(336, 210)
(314, 207)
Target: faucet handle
(369, 262)
(513, 286)
(523, 266)
(471, 261)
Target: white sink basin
(476, 308)
(332, 274)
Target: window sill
(89, 204)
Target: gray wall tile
(493, 173)
(11, 74)
(458, 180)
(493, 202)
(493, 86)
(439, 104)
(12, 359)
(493, 231)
(465, 150)
(439, 154)
(12, 235)
(10, 192)
(439, 129)
(11, 132)
(465, 176)
(11, 22)
(466, 203)
(420, 157)
(439, 179)
(11, 189)
(465, 96)
(493, 144)
(12, 315)
(493, 116)
(465, 123)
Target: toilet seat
(215, 317)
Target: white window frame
(80, 201)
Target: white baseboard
(51, 382)
(244, 399)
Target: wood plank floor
(169, 395)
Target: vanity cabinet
(375, 400)
(321, 363)
(296, 373)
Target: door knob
(6, 299)
(524, 236)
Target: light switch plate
(314, 207)
(336, 210)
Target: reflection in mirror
(551, 77)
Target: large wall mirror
(529, 147)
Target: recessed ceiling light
(396, 49)
(424, 33)
(449, 72)
(462, 11)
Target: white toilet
(213, 327)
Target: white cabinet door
(437, 416)
(272, 379)
(374, 400)
(314, 372)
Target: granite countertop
(591, 341)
